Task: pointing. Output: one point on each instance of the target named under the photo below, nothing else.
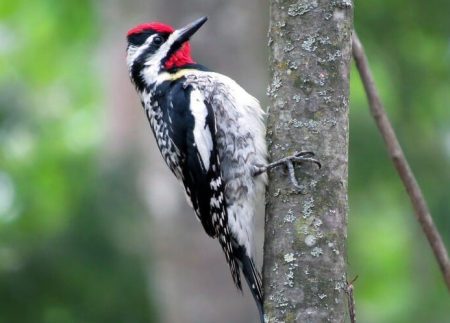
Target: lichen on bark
(304, 251)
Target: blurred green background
(73, 221)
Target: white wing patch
(202, 134)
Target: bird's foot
(298, 157)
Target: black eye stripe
(137, 39)
(140, 38)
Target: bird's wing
(201, 173)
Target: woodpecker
(211, 134)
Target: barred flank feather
(232, 259)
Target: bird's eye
(158, 40)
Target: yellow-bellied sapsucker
(211, 134)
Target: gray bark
(305, 234)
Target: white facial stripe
(163, 50)
(134, 52)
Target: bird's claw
(306, 156)
(298, 157)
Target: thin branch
(351, 300)
(401, 164)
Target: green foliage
(65, 220)
(408, 48)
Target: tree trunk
(305, 234)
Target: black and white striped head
(157, 47)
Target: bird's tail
(253, 279)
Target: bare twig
(351, 300)
(401, 165)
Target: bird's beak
(186, 32)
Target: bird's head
(159, 46)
